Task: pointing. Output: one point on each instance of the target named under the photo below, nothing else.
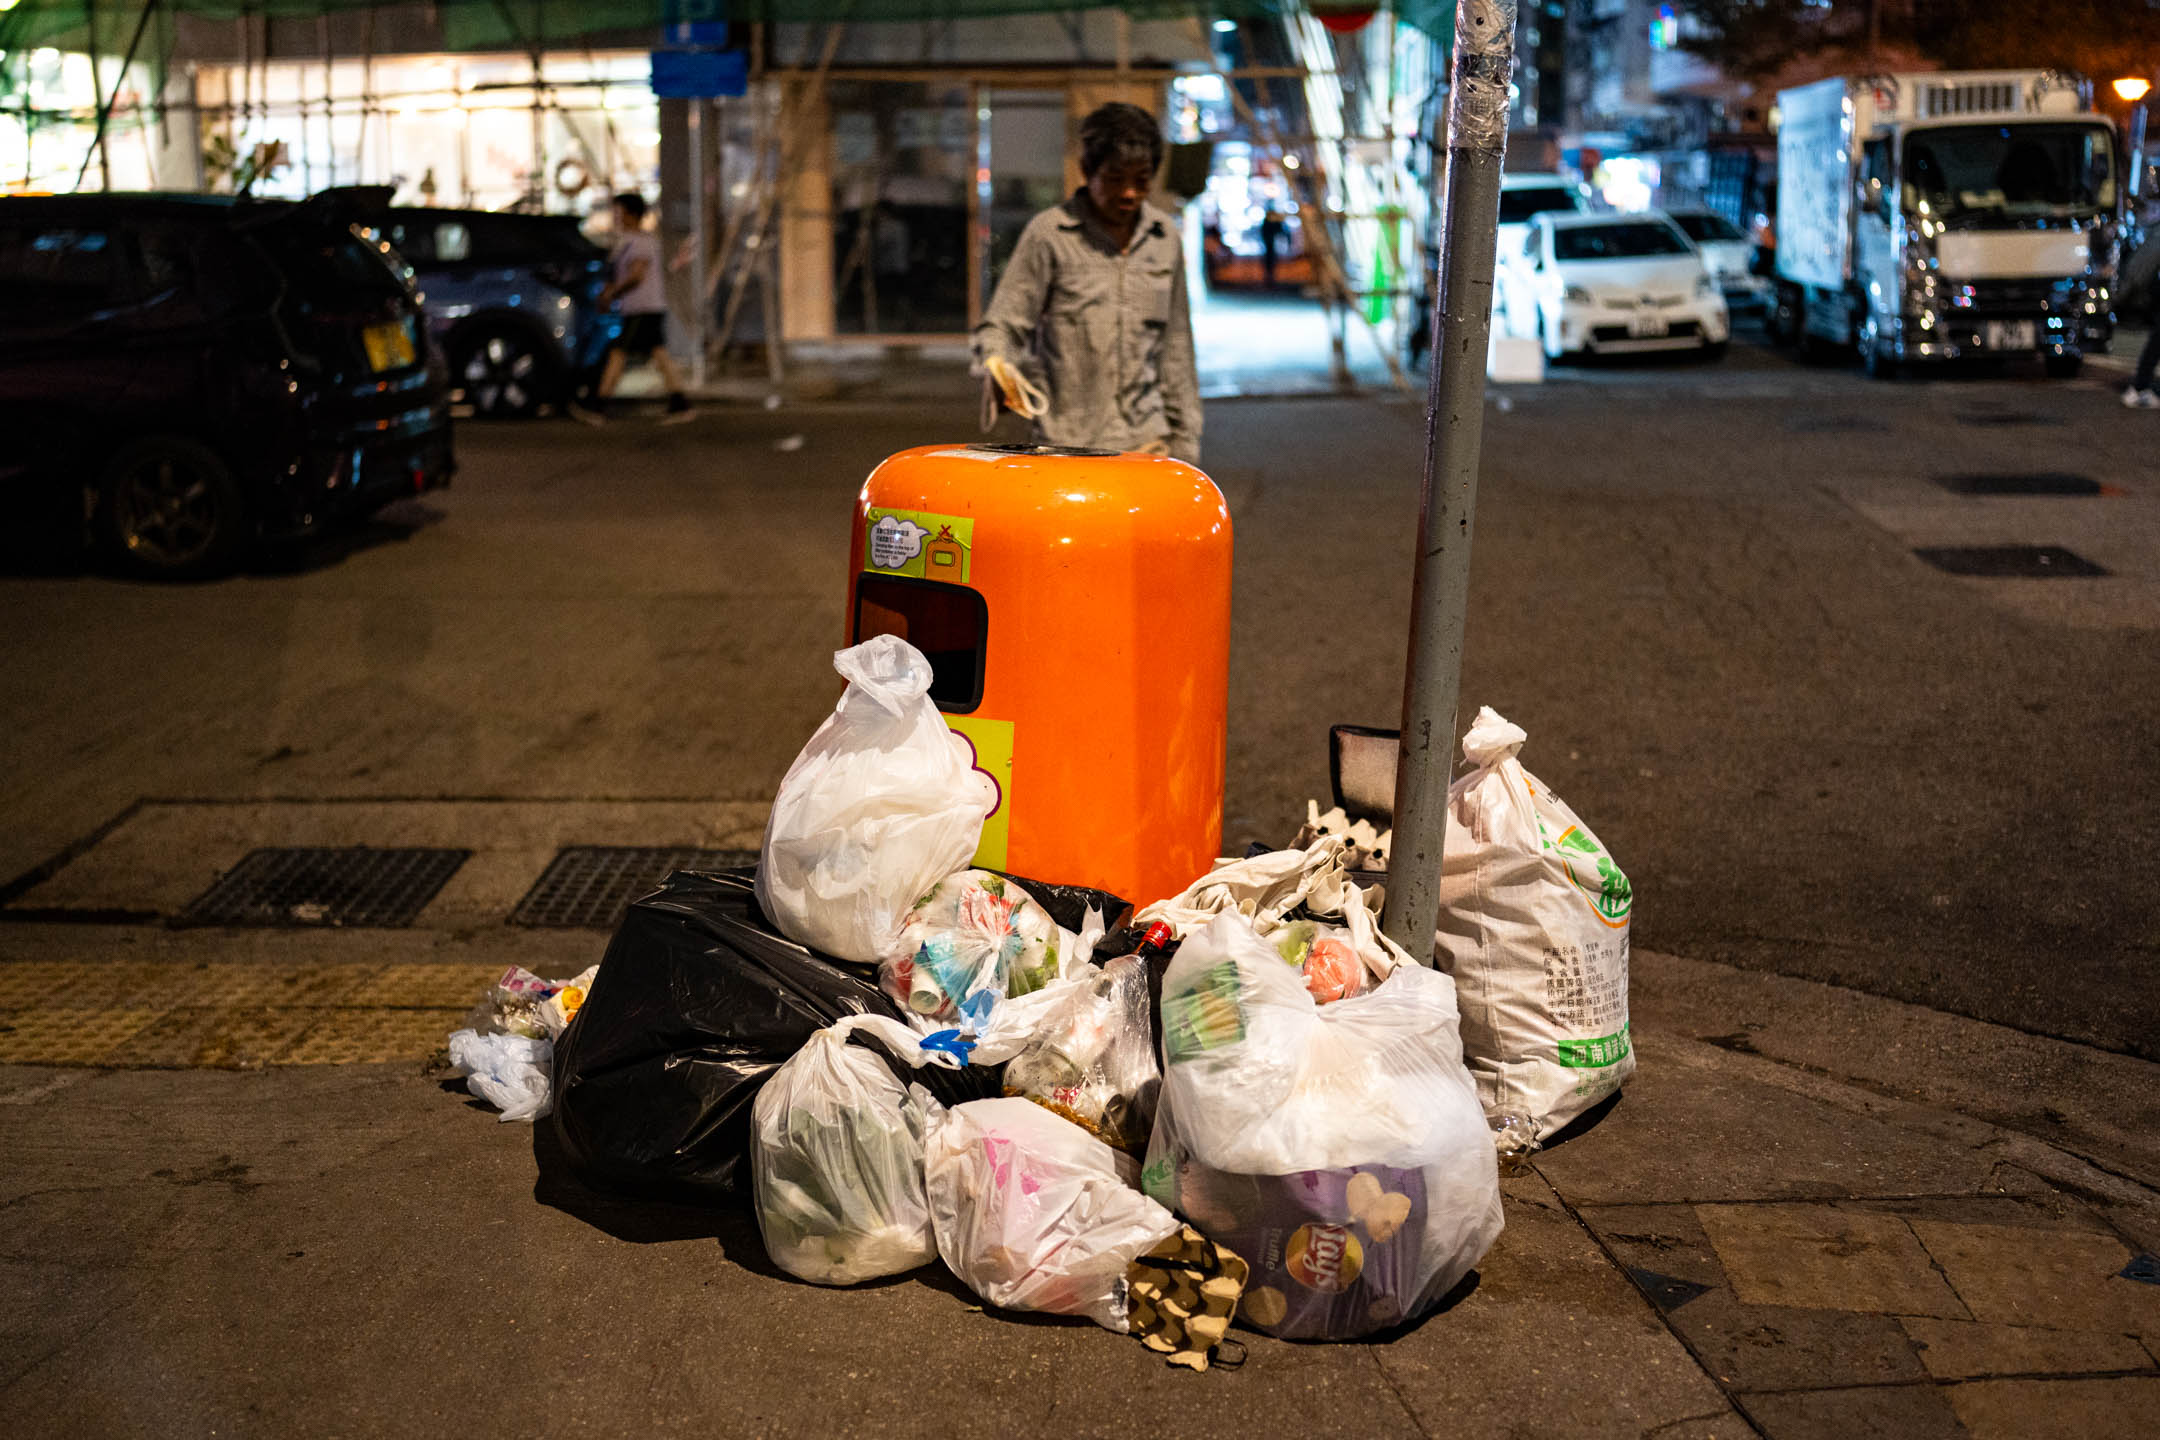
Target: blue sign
(699, 74)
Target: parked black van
(201, 374)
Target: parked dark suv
(513, 300)
(198, 373)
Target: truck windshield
(2014, 170)
(1626, 240)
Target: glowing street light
(2132, 88)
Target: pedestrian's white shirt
(649, 295)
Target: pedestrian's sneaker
(678, 410)
(2136, 399)
(585, 414)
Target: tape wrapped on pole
(1454, 420)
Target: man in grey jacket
(1092, 306)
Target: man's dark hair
(631, 204)
(1120, 134)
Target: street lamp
(2132, 88)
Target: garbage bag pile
(1246, 1102)
(507, 1048)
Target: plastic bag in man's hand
(836, 1158)
(1339, 1148)
(1031, 1214)
(1534, 928)
(881, 804)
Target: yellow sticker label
(992, 742)
(920, 544)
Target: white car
(1611, 285)
(1522, 198)
(1730, 256)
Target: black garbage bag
(698, 1001)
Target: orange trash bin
(1075, 606)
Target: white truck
(1938, 216)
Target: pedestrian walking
(1271, 238)
(1091, 315)
(2142, 274)
(638, 284)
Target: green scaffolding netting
(523, 24)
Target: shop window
(903, 164)
(949, 623)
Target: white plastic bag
(1092, 1060)
(1534, 928)
(510, 1072)
(1339, 1148)
(1031, 1214)
(974, 939)
(881, 804)
(836, 1159)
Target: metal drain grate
(2015, 562)
(354, 885)
(2038, 482)
(587, 887)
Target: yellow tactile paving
(87, 985)
(367, 1037)
(277, 986)
(427, 985)
(202, 1037)
(67, 1037)
(130, 1014)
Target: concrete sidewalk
(1814, 1213)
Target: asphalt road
(1694, 586)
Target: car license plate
(2011, 335)
(1646, 327)
(389, 347)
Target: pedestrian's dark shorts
(641, 335)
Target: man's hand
(1020, 397)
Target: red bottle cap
(1159, 936)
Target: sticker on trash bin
(920, 544)
(992, 742)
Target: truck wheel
(169, 508)
(2064, 367)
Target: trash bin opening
(950, 624)
(1038, 450)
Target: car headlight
(1705, 285)
(1576, 294)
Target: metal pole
(1454, 425)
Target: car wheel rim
(167, 512)
(499, 375)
